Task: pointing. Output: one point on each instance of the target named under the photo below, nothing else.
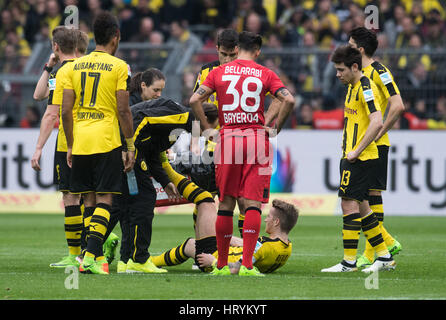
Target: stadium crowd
(411, 34)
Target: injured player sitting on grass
(271, 251)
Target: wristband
(130, 144)
(47, 68)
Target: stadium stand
(179, 36)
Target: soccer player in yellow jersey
(362, 123)
(67, 45)
(271, 252)
(366, 42)
(95, 106)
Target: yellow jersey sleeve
(124, 76)
(384, 80)
(61, 76)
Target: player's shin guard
(251, 230)
(73, 228)
(97, 229)
(172, 257)
(223, 230)
(350, 235)
(372, 232)
(205, 245)
(376, 204)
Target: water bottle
(131, 181)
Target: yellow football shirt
(204, 72)
(57, 100)
(95, 79)
(269, 255)
(361, 100)
(383, 79)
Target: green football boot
(395, 248)
(363, 262)
(94, 267)
(69, 260)
(221, 272)
(254, 272)
(110, 246)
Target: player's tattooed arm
(201, 91)
(283, 92)
(196, 102)
(287, 102)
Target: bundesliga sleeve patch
(385, 78)
(368, 95)
(52, 84)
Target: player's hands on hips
(172, 192)
(69, 157)
(129, 161)
(272, 132)
(35, 159)
(352, 156)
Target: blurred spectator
(213, 13)
(177, 11)
(308, 76)
(414, 84)
(146, 27)
(304, 116)
(346, 26)
(10, 60)
(341, 9)
(147, 8)
(257, 24)
(93, 8)
(394, 25)
(434, 32)
(244, 7)
(31, 118)
(407, 30)
(440, 109)
(407, 60)
(129, 24)
(300, 22)
(8, 105)
(180, 35)
(53, 15)
(327, 23)
(285, 14)
(34, 19)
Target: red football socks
(251, 230)
(223, 231)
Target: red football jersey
(241, 87)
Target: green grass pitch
(29, 243)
